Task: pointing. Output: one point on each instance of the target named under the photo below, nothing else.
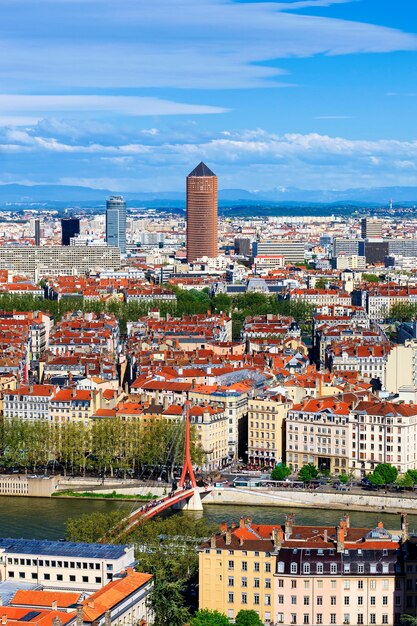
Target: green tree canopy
(92, 527)
(384, 474)
(321, 283)
(405, 480)
(204, 617)
(412, 473)
(248, 618)
(280, 472)
(344, 478)
(167, 602)
(370, 278)
(308, 472)
(409, 619)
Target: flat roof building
(63, 564)
(58, 260)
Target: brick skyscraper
(202, 223)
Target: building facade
(295, 575)
(69, 228)
(116, 223)
(202, 214)
(58, 260)
(266, 433)
(63, 565)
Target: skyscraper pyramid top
(201, 170)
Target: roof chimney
(54, 605)
(228, 539)
(289, 523)
(325, 537)
(242, 522)
(80, 619)
(223, 527)
(340, 532)
(4, 619)
(277, 537)
(404, 527)
(346, 518)
(213, 541)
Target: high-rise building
(345, 246)
(70, 227)
(116, 223)
(371, 228)
(37, 232)
(202, 220)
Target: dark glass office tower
(70, 228)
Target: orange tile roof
(112, 594)
(38, 598)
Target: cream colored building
(317, 432)
(233, 576)
(401, 369)
(211, 425)
(234, 401)
(211, 428)
(313, 575)
(58, 260)
(266, 436)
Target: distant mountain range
(87, 196)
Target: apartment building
(74, 405)
(367, 358)
(339, 575)
(266, 429)
(125, 600)
(29, 402)
(380, 299)
(320, 297)
(211, 427)
(401, 369)
(63, 565)
(236, 571)
(234, 400)
(317, 431)
(383, 432)
(58, 260)
(314, 575)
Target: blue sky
(131, 94)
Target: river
(44, 518)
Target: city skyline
(306, 93)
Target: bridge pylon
(194, 503)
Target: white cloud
(165, 43)
(252, 154)
(113, 105)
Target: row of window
(244, 582)
(59, 577)
(346, 584)
(54, 563)
(244, 598)
(244, 566)
(358, 568)
(333, 618)
(333, 600)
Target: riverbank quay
(27, 485)
(301, 498)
